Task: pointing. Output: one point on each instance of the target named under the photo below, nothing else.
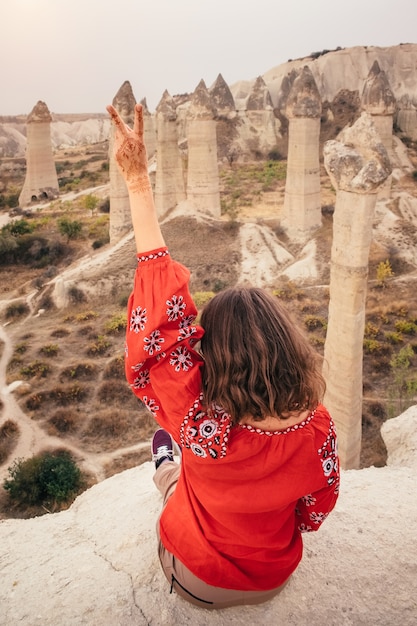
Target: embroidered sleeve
(162, 366)
(313, 508)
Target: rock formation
(149, 133)
(407, 117)
(41, 182)
(97, 562)
(169, 182)
(120, 220)
(357, 164)
(261, 120)
(203, 173)
(222, 97)
(378, 100)
(302, 202)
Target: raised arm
(130, 155)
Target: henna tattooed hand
(130, 150)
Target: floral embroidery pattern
(328, 454)
(186, 330)
(304, 528)
(176, 307)
(308, 500)
(181, 359)
(318, 518)
(142, 380)
(138, 319)
(290, 429)
(149, 257)
(206, 436)
(150, 404)
(152, 343)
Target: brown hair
(257, 362)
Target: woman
(258, 451)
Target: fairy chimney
(120, 219)
(302, 201)
(261, 119)
(203, 190)
(169, 181)
(379, 101)
(357, 164)
(222, 97)
(41, 182)
(149, 132)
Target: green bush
(70, 228)
(45, 478)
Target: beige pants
(185, 583)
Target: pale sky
(75, 54)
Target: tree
(90, 203)
(70, 228)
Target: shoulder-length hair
(257, 362)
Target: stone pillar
(357, 164)
(41, 182)
(203, 189)
(120, 219)
(302, 201)
(260, 115)
(379, 101)
(149, 132)
(169, 182)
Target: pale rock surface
(357, 164)
(305, 267)
(203, 187)
(302, 202)
(169, 181)
(97, 564)
(41, 179)
(262, 255)
(120, 218)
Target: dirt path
(33, 439)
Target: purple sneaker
(162, 447)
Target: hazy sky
(75, 54)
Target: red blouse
(244, 495)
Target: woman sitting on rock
(259, 464)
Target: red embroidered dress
(244, 495)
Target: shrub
(72, 394)
(86, 316)
(99, 347)
(84, 371)
(383, 272)
(406, 327)
(16, 309)
(371, 345)
(313, 322)
(45, 478)
(9, 434)
(76, 295)
(51, 349)
(393, 337)
(202, 297)
(289, 291)
(371, 330)
(117, 323)
(71, 229)
(36, 368)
